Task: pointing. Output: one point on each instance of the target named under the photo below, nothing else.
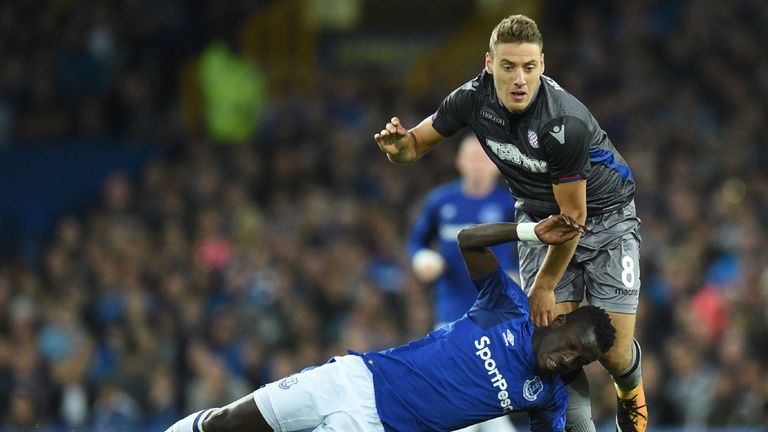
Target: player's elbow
(467, 237)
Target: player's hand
(393, 138)
(542, 305)
(558, 229)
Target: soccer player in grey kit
(555, 158)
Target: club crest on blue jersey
(288, 382)
(532, 388)
(533, 139)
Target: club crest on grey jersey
(533, 140)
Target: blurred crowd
(653, 72)
(93, 69)
(226, 267)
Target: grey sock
(584, 425)
(630, 377)
(578, 416)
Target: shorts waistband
(536, 210)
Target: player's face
(516, 69)
(566, 348)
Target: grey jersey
(555, 140)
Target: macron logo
(559, 133)
(509, 338)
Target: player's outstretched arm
(475, 241)
(405, 146)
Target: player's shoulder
(481, 84)
(565, 118)
(561, 102)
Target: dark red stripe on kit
(570, 178)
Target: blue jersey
(479, 367)
(445, 212)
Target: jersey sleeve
(425, 227)
(456, 110)
(496, 288)
(566, 143)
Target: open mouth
(518, 96)
(551, 364)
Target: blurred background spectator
(192, 204)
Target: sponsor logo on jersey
(510, 153)
(559, 133)
(492, 117)
(509, 338)
(286, 383)
(497, 379)
(533, 140)
(532, 388)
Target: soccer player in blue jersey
(475, 197)
(490, 362)
(555, 158)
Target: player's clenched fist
(393, 138)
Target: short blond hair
(516, 29)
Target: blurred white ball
(427, 265)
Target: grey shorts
(605, 265)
